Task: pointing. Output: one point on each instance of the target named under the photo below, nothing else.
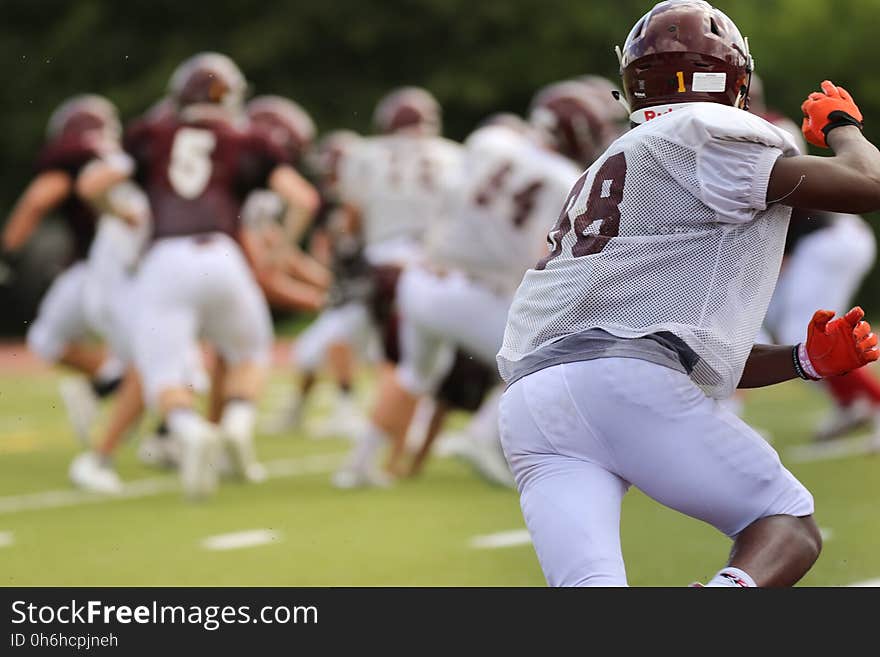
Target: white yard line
(6, 539)
(833, 449)
(510, 538)
(826, 533)
(239, 540)
(54, 499)
(868, 582)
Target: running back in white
(669, 230)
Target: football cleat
(159, 451)
(844, 420)
(90, 474)
(351, 478)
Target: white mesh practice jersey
(669, 230)
(510, 196)
(401, 184)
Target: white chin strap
(648, 113)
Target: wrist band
(802, 365)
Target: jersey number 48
(603, 205)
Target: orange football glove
(837, 346)
(825, 111)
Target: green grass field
(418, 533)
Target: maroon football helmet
(571, 120)
(83, 114)
(208, 78)
(284, 121)
(408, 108)
(684, 51)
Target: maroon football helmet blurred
(571, 120)
(285, 122)
(684, 51)
(208, 78)
(408, 108)
(83, 114)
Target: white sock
(735, 577)
(369, 442)
(184, 421)
(111, 369)
(239, 417)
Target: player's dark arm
(768, 365)
(834, 346)
(847, 182)
(44, 193)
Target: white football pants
(189, 288)
(440, 312)
(578, 435)
(350, 324)
(61, 316)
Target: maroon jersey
(197, 173)
(70, 154)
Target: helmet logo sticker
(709, 82)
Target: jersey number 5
(603, 205)
(191, 165)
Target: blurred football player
(196, 166)
(511, 187)
(338, 336)
(83, 129)
(643, 312)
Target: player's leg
(425, 358)
(684, 450)
(59, 335)
(651, 426)
(93, 470)
(166, 326)
(237, 322)
(570, 502)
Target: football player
(399, 181)
(194, 280)
(643, 312)
(337, 335)
(83, 129)
(474, 260)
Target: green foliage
(337, 57)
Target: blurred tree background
(337, 57)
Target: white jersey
(669, 230)
(402, 184)
(510, 196)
